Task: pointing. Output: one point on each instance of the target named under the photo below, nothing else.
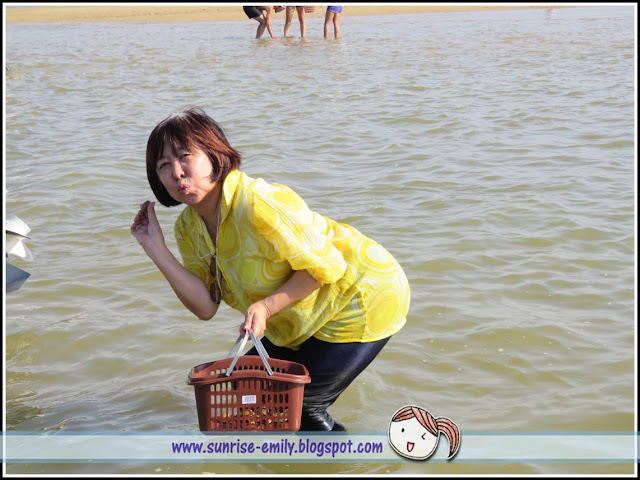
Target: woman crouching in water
(323, 294)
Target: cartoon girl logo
(414, 433)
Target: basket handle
(259, 347)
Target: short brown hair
(188, 129)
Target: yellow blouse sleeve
(298, 235)
(187, 249)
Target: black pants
(332, 367)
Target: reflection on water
(492, 153)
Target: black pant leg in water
(332, 367)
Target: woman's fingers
(146, 227)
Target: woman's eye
(424, 435)
(162, 165)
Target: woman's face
(186, 174)
(411, 440)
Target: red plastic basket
(249, 393)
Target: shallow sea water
(492, 153)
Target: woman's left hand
(255, 319)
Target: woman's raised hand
(146, 228)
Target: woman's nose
(178, 172)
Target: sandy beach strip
(210, 13)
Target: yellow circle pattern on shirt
(229, 246)
(376, 258)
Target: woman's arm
(190, 289)
(300, 285)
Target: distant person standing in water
(262, 14)
(289, 17)
(332, 15)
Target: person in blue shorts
(332, 15)
(262, 14)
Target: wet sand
(210, 13)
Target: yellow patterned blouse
(266, 232)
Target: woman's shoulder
(259, 198)
(258, 187)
